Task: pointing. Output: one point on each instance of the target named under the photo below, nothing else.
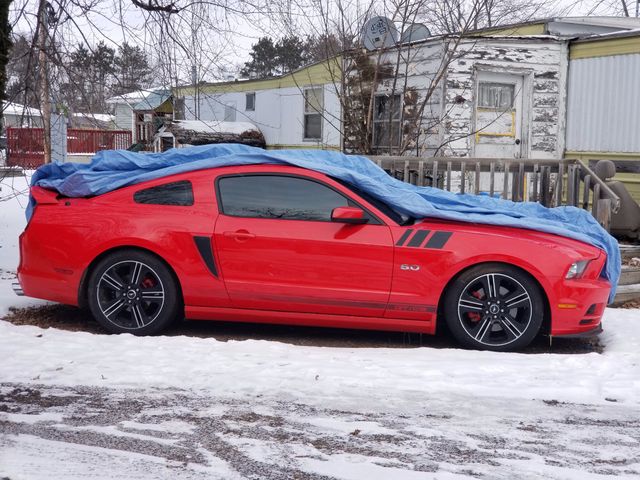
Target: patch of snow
(31, 419)
(16, 109)
(203, 126)
(352, 377)
(27, 457)
(103, 117)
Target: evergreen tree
(291, 54)
(5, 45)
(132, 69)
(264, 60)
(21, 73)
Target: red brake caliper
(475, 316)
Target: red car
(281, 244)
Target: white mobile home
(296, 110)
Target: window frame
(375, 219)
(246, 103)
(385, 121)
(305, 114)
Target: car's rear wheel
(132, 292)
(494, 307)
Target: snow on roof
(130, 98)
(153, 100)
(634, 32)
(9, 108)
(203, 126)
(620, 22)
(102, 117)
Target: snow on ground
(81, 405)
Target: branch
(154, 6)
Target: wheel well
(545, 328)
(84, 281)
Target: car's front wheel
(132, 292)
(494, 307)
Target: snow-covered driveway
(82, 405)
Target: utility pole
(43, 84)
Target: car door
(279, 250)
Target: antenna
(415, 32)
(379, 32)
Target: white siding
(124, 117)
(543, 65)
(278, 113)
(604, 104)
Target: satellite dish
(379, 32)
(415, 32)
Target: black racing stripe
(438, 240)
(404, 237)
(418, 238)
(412, 307)
(204, 247)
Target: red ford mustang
(280, 244)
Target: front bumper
(595, 331)
(578, 306)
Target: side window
(498, 96)
(386, 120)
(313, 108)
(273, 196)
(250, 102)
(175, 193)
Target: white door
(498, 125)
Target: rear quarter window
(174, 193)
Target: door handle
(239, 235)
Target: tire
(144, 305)
(494, 307)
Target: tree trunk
(43, 86)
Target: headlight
(577, 269)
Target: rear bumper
(579, 306)
(49, 286)
(17, 288)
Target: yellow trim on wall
(605, 48)
(482, 133)
(316, 74)
(631, 180)
(582, 155)
(514, 31)
(311, 146)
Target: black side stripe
(418, 238)
(438, 240)
(404, 237)
(204, 247)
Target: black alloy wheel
(494, 307)
(132, 292)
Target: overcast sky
(221, 50)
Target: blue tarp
(112, 169)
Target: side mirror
(351, 215)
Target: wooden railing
(25, 146)
(550, 182)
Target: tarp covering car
(112, 169)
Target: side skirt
(309, 319)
